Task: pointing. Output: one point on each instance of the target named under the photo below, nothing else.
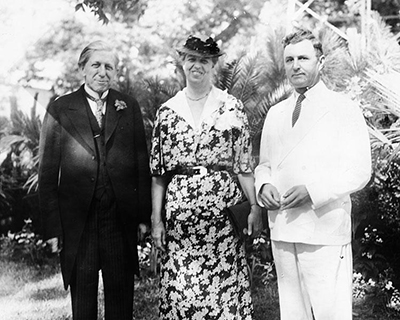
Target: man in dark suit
(94, 186)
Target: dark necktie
(297, 108)
(99, 109)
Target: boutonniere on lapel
(120, 105)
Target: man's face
(100, 71)
(302, 65)
(197, 69)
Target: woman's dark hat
(197, 47)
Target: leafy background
(42, 40)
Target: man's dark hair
(301, 35)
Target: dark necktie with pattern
(297, 108)
(99, 109)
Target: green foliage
(25, 245)
(339, 12)
(129, 10)
(147, 33)
(146, 47)
(20, 143)
(250, 78)
(151, 93)
(259, 258)
(380, 295)
(388, 190)
(376, 246)
(371, 82)
(257, 79)
(241, 78)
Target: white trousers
(314, 280)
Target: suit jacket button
(92, 179)
(93, 158)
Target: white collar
(94, 94)
(180, 105)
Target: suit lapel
(292, 137)
(77, 113)
(112, 115)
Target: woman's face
(198, 70)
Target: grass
(36, 293)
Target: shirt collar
(94, 94)
(311, 92)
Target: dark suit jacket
(68, 170)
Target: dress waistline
(197, 170)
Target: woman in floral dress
(200, 151)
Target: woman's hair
(98, 45)
(183, 56)
(301, 35)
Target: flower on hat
(195, 45)
(208, 46)
(120, 105)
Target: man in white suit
(314, 153)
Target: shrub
(25, 245)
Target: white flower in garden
(389, 285)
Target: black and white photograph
(199, 160)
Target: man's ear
(82, 72)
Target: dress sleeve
(157, 167)
(242, 147)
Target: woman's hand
(158, 189)
(254, 221)
(158, 235)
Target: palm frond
(32, 183)
(337, 68)
(241, 78)
(387, 87)
(245, 82)
(6, 142)
(281, 92)
(229, 73)
(357, 54)
(385, 141)
(259, 112)
(382, 45)
(225, 74)
(274, 69)
(378, 138)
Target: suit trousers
(314, 280)
(102, 247)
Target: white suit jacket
(328, 151)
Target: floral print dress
(204, 274)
